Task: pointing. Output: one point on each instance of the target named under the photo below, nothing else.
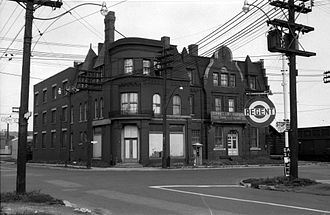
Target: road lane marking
(170, 188)
(197, 186)
(178, 208)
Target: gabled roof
(100, 58)
(89, 60)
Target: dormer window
(253, 82)
(224, 80)
(232, 80)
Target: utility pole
(88, 80)
(164, 61)
(25, 84)
(279, 41)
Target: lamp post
(246, 8)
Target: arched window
(176, 105)
(156, 103)
(101, 107)
(96, 109)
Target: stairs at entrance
(128, 165)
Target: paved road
(154, 191)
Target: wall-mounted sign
(259, 111)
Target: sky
(57, 43)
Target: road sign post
(286, 161)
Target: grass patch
(31, 213)
(280, 181)
(33, 196)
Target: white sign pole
(286, 116)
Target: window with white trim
(65, 113)
(96, 109)
(129, 103)
(64, 140)
(53, 116)
(54, 91)
(128, 66)
(36, 98)
(254, 137)
(217, 104)
(44, 95)
(176, 105)
(156, 103)
(231, 105)
(224, 80)
(218, 138)
(101, 107)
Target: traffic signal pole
(25, 84)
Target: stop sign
(259, 111)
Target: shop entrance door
(131, 150)
(232, 143)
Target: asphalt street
(174, 191)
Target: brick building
(203, 98)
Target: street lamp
(246, 8)
(166, 159)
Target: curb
(246, 185)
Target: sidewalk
(128, 168)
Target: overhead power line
(48, 43)
(43, 54)
(249, 29)
(17, 75)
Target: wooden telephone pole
(286, 41)
(25, 84)
(89, 80)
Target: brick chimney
(109, 29)
(193, 49)
(99, 48)
(166, 42)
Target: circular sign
(259, 112)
